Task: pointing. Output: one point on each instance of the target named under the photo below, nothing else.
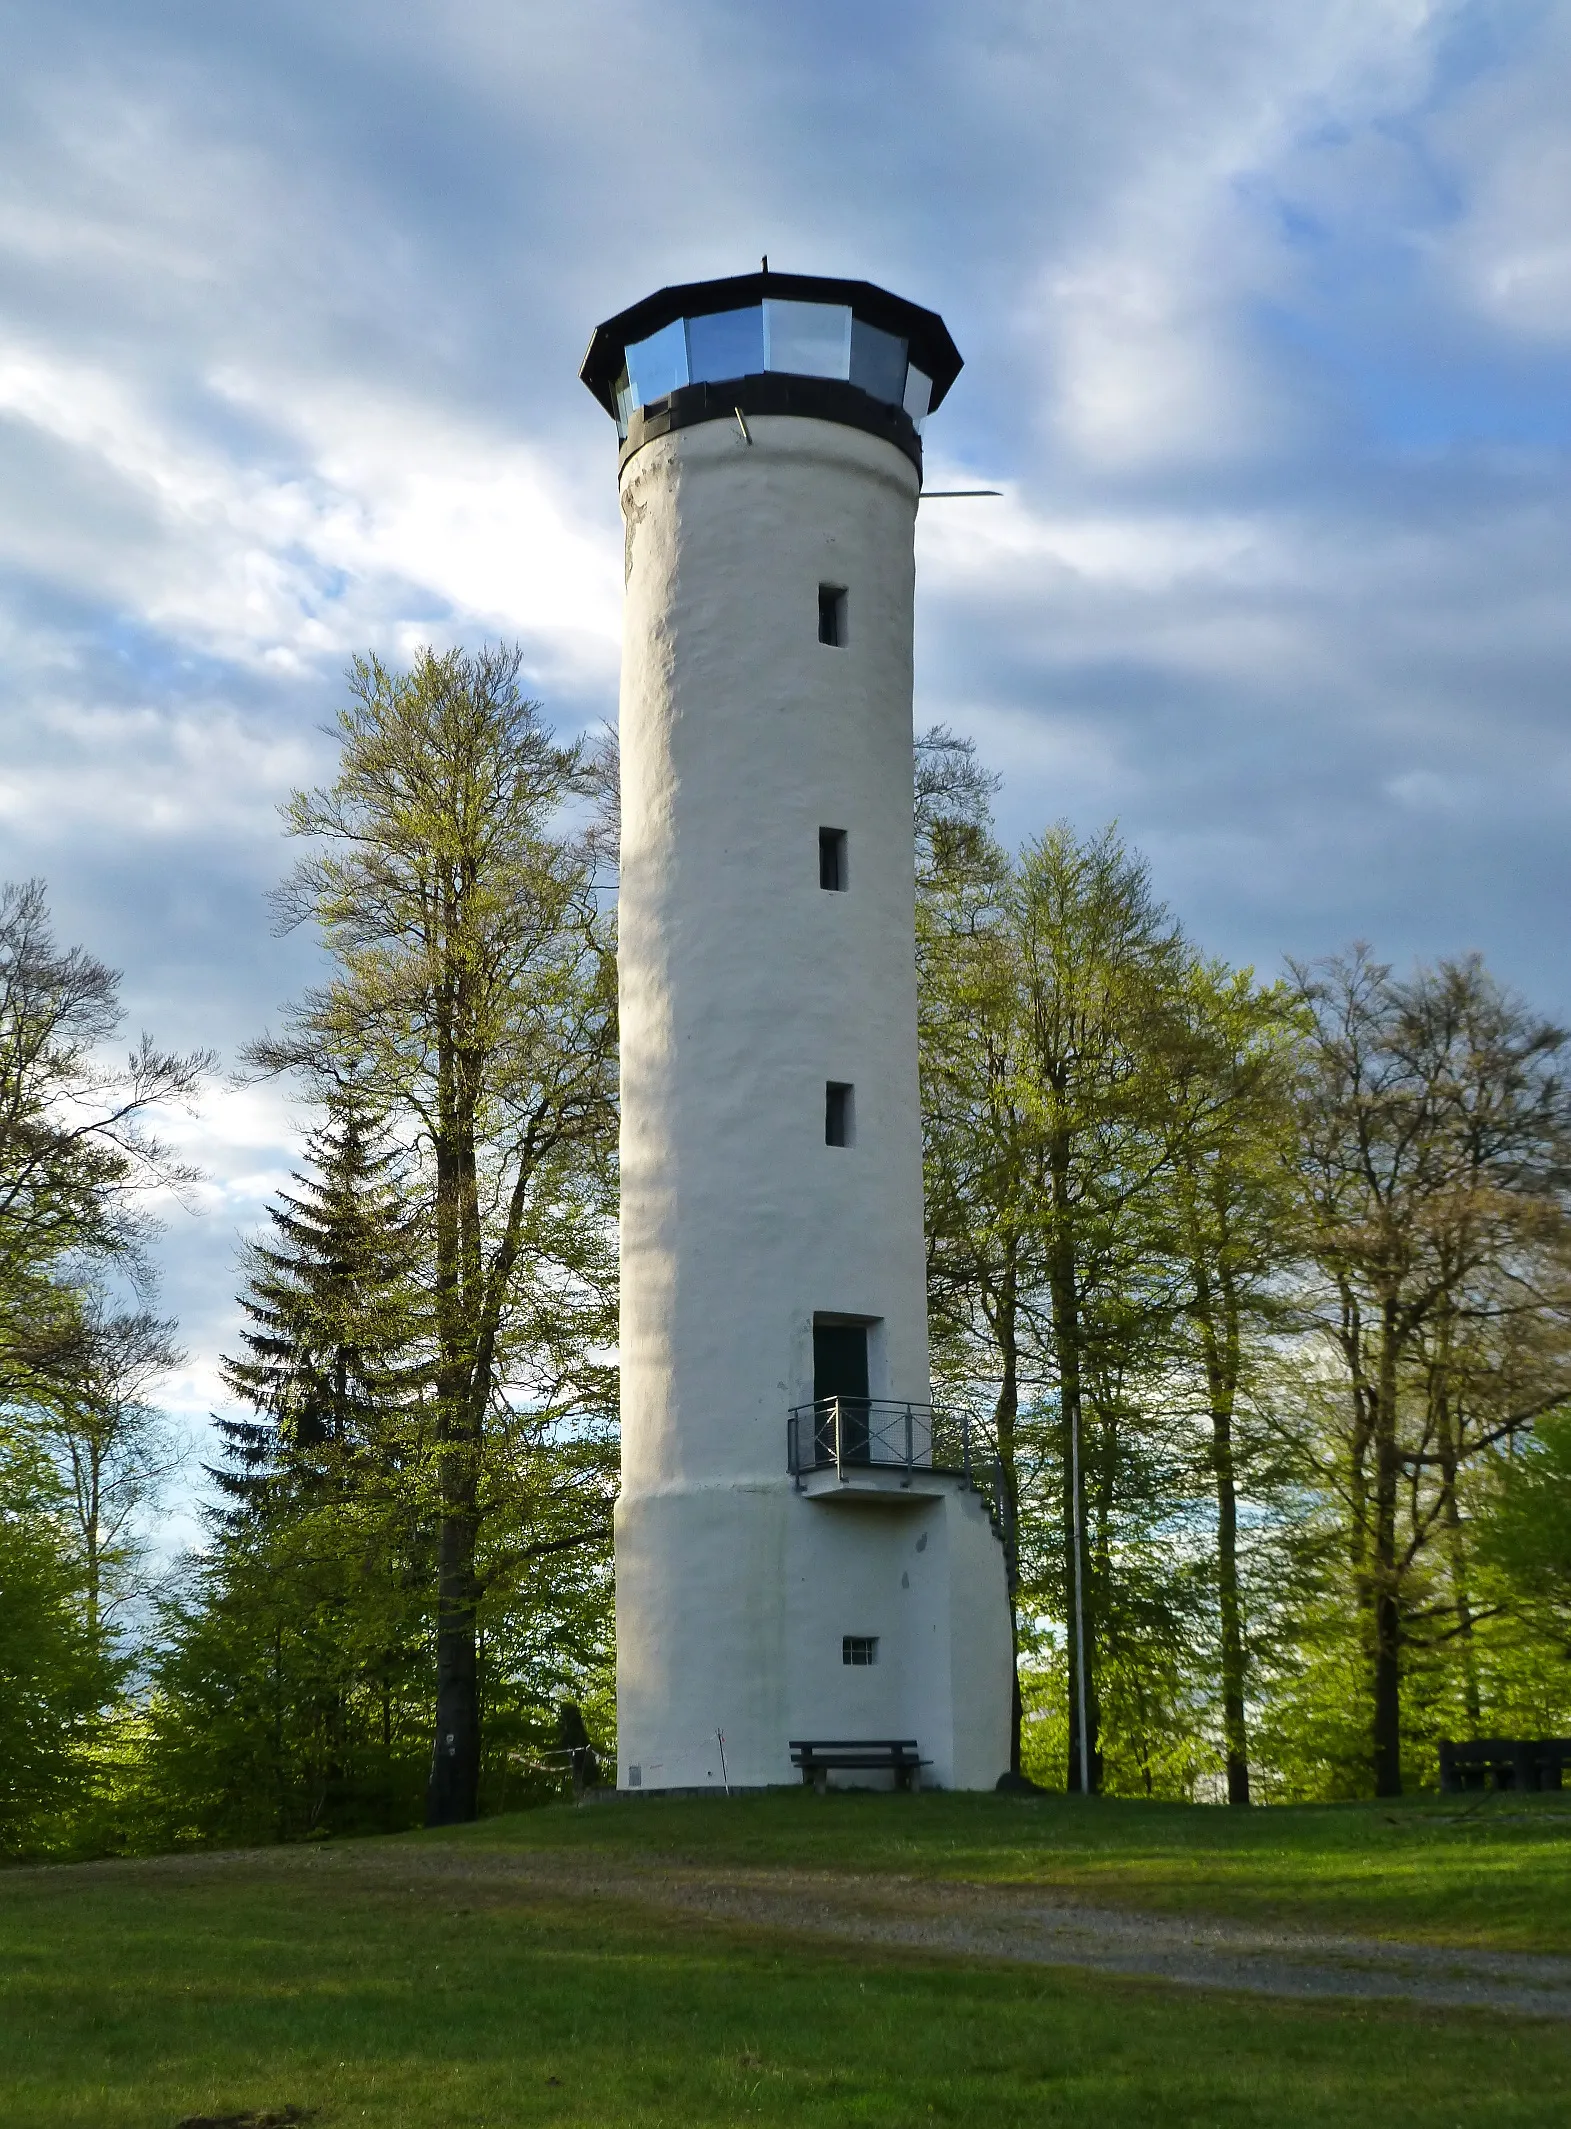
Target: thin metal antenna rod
(949, 495)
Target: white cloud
(392, 502)
(412, 495)
(1145, 315)
(150, 776)
(1508, 252)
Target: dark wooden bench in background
(870, 1755)
(1502, 1763)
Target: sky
(1266, 311)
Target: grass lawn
(134, 1994)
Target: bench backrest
(814, 1746)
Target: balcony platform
(891, 1484)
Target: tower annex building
(805, 1549)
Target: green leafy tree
(1051, 993)
(1434, 1130)
(81, 1447)
(1232, 1192)
(55, 1678)
(1100, 966)
(978, 1175)
(293, 1687)
(1525, 1529)
(473, 990)
(116, 1449)
(78, 1153)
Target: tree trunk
(1387, 1680)
(1456, 1544)
(1005, 1413)
(1220, 1345)
(1363, 1497)
(1096, 1507)
(1083, 1754)
(453, 1796)
(94, 1556)
(1472, 1698)
(1234, 1726)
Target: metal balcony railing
(875, 1433)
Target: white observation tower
(804, 1550)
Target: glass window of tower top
(800, 339)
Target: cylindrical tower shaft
(748, 989)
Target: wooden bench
(864, 1755)
(1503, 1763)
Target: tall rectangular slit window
(832, 860)
(832, 615)
(859, 1649)
(838, 1116)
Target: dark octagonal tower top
(769, 343)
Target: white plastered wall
(744, 988)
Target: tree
(54, 1676)
(1525, 1526)
(473, 991)
(81, 1449)
(78, 1153)
(1529, 1529)
(1435, 1131)
(295, 1671)
(1101, 965)
(335, 1344)
(1232, 1188)
(978, 1179)
(290, 1685)
(1051, 992)
(115, 1447)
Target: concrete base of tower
(752, 1615)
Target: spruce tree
(294, 1688)
(330, 1365)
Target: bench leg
(821, 1782)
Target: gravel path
(987, 1921)
(1195, 1952)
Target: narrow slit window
(832, 615)
(838, 1117)
(859, 1649)
(832, 860)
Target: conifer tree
(331, 1363)
(293, 1690)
